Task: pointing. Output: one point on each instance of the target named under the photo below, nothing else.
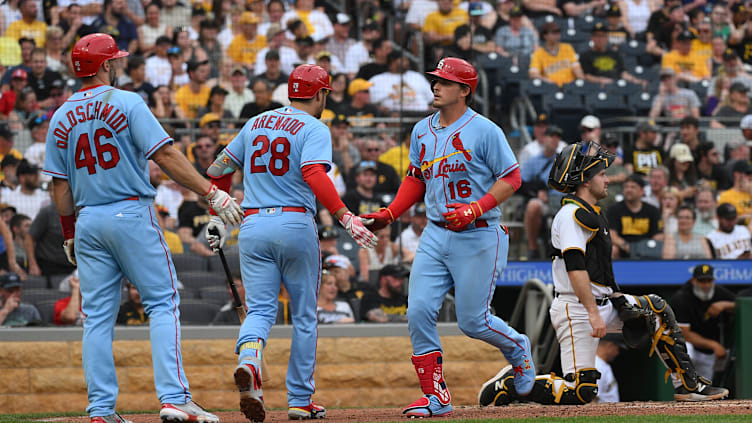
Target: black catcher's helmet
(576, 164)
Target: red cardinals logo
(457, 144)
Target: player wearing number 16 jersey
(465, 167)
(97, 149)
(285, 154)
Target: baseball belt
(474, 225)
(598, 301)
(249, 212)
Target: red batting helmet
(91, 51)
(456, 70)
(306, 80)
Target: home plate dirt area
(511, 411)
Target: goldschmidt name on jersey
(96, 110)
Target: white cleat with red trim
(190, 412)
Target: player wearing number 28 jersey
(97, 151)
(284, 155)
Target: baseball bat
(239, 306)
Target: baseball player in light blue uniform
(97, 152)
(463, 163)
(284, 154)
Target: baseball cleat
(524, 373)
(704, 392)
(496, 391)
(112, 418)
(310, 411)
(190, 412)
(427, 406)
(251, 395)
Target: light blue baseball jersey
(272, 148)
(460, 162)
(100, 140)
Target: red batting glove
(462, 214)
(379, 220)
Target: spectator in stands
(740, 193)
(361, 111)
(248, 43)
(702, 44)
(672, 101)
(40, 78)
(172, 239)
(114, 22)
(408, 239)
(168, 194)
(8, 167)
(658, 20)
(72, 21)
(385, 253)
(344, 153)
(644, 156)
(482, 37)
(284, 58)
(700, 306)
(132, 312)
(262, 92)
(137, 72)
(228, 314)
(685, 244)
(195, 94)
(67, 311)
(603, 65)
(632, 220)
(47, 235)
(317, 23)
(179, 75)
(216, 103)
(730, 241)
(193, 216)
(18, 82)
(175, 12)
(689, 134)
(27, 198)
(730, 73)
(382, 48)
(27, 46)
(608, 349)
(733, 108)
(534, 147)
(387, 180)
(14, 311)
(657, 182)
(438, 29)
(55, 49)
(364, 198)
(738, 149)
(616, 173)
(328, 237)
(670, 200)
(515, 39)
(535, 188)
(207, 41)
(28, 26)
(705, 207)
(578, 8)
(359, 53)
(328, 308)
(554, 62)
(340, 41)
(635, 16)
(388, 303)
(683, 172)
(337, 99)
(25, 110)
(239, 94)
(399, 88)
(710, 172)
(163, 105)
(6, 143)
(19, 226)
(590, 128)
(540, 8)
(158, 69)
(152, 29)
(615, 32)
(740, 39)
(304, 48)
(688, 65)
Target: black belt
(598, 301)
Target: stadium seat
(535, 89)
(189, 262)
(623, 87)
(607, 106)
(581, 88)
(701, 89)
(560, 20)
(197, 312)
(197, 280)
(188, 293)
(565, 111)
(586, 23)
(36, 282)
(47, 310)
(573, 36)
(233, 261)
(640, 102)
(636, 49)
(55, 281)
(34, 296)
(214, 294)
(648, 73)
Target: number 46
(84, 158)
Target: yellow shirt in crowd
(693, 62)
(703, 50)
(243, 51)
(739, 199)
(556, 68)
(173, 242)
(37, 31)
(189, 102)
(445, 24)
(397, 157)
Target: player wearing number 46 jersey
(97, 151)
(463, 164)
(285, 154)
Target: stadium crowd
(204, 68)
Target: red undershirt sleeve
(323, 188)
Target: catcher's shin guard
(669, 342)
(431, 375)
(549, 389)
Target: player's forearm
(63, 196)
(697, 340)
(581, 285)
(180, 170)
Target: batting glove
(69, 252)
(462, 214)
(216, 233)
(378, 220)
(224, 205)
(357, 230)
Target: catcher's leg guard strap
(552, 389)
(431, 375)
(639, 323)
(670, 344)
